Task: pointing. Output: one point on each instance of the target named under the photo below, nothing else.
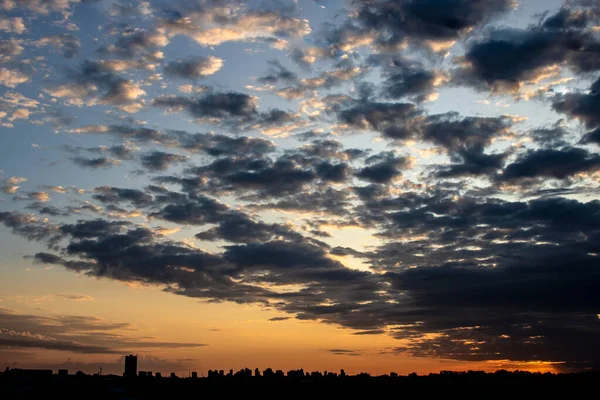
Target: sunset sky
(374, 185)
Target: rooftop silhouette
(41, 383)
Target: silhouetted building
(173, 375)
(30, 373)
(130, 366)
(63, 372)
(194, 375)
(158, 375)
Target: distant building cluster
(44, 384)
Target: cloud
(212, 105)
(13, 25)
(68, 45)
(208, 143)
(132, 42)
(407, 79)
(550, 163)
(391, 24)
(472, 162)
(508, 58)
(99, 162)
(26, 340)
(275, 319)
(383, 168)
(107, 194)
(371, 332)
(75, 334)
(160, 161)
(57, 189)
(42, 197)
(75, 297)
(96, 82)
(11, 185)
(218, 24)
(344, 352)
(392, 119)
(194, 68)
(10, 48)
(12, 78)
(592, 137)
(583, 106)
(43, 7)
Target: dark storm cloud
(98, 162)
(509, 57)
(213, 105)
(550, 163)
(160, 161)
(403, 121)
(391, 23)
(275, 319)
(193, 68)
(120, 152)
(330, 201)
(240, 228)
(197, 211)
(383, 168)
(93, 228)
(333, 172)
(392, 119)
(209, 143)
(472, 162)
(107, 195)
(279, 262)
(132, 253)
(257, 178)
(283, 176)
(546, 302)
(131, 42)
(424, 302)
(405, 79)
(279, 177)
(408, 83)
(454, 132)
(220, 145)
(592, 137)
(372, 332)
(29, 226)
(583, 106)
(344, 352)
(550, 137)
(42, 208)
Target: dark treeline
(44, 384)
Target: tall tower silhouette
(130, 366)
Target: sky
(374, 185)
